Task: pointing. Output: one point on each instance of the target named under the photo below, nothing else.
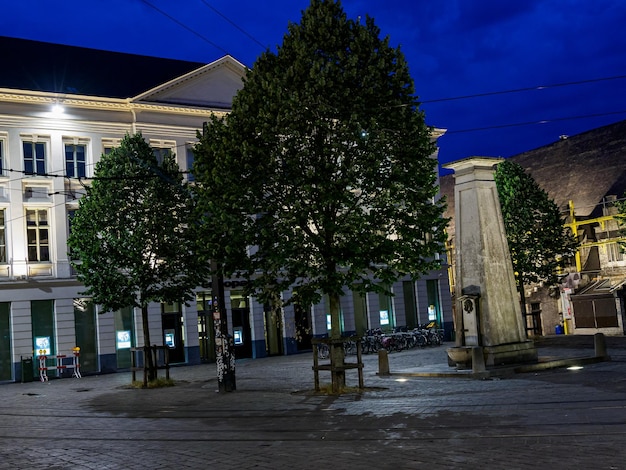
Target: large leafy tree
(538, 241)
(323, 169)
(130, 237)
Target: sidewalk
(549, 419)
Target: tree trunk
(337, 353)
(224, 347)
(149, 367)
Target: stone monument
(488, 313)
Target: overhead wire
(518, 90)
(529, 123)
(183, 25)
(435, 100)
(232, 23)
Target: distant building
(584, 174)
(61, 107)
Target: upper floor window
(37, 235)
(75, 160)
(160, 154)
(3, 240)
(108, 144)
(161, 148)
(34, 157)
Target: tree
(324, 168)
(538, 241)
(130, 237)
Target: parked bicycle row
(400, 339)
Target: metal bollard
(599, 344)
(383, 362)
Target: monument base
(502, 354)
(513, 353)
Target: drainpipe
(133, 124)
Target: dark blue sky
(454, 48)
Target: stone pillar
(483, 264)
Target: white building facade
(49, 144)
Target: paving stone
(556, 419)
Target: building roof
(584, 168)
(57, 68)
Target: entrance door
(42, 318)
(206, 327)
(172, 322)
(434, 304)
(124, 336)
(85, 322)
(410, 304)
(241, 332)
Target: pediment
(211, 86)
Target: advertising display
(238, 336)
(123, 339)
(170, 342)
(42, 346)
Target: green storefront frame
(42, 321)
(6, 364)
(124, 336)
(86, 336)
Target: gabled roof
(207, 86)
(56, 68)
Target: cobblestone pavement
(557, 419)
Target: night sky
(455, 48)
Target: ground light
(574, 367)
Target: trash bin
(558, 329)
(27, 369)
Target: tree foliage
(538, 241)
(324, 166)
(130, 236)
(130, 240)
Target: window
(109, 144)
(75, 160)
(34, 157)
(160, 154)
(2, 162)
(3, 240)
(35, 192)
(37, 235)
(161, 148)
